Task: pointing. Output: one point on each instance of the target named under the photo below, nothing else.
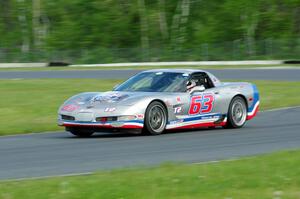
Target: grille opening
(106, 119)
(67, 117)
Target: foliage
(113, 30)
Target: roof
(214, 79)
(189, 71)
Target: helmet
(190, 85)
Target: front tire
(80, 133)
(155, 118)
(237, 113)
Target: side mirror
(197, 89)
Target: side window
(202, 79)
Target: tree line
(111, 27)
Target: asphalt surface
(248, 74)
(47, 154)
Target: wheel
(237, 113)
(155, 119)
(80, 132)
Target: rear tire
(155, 119)
(237, 113)
(80, 133)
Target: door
(204, 102)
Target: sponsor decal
(207, 117)
(70, 108)
(110, 97)
(176, 121)
(178, 110)
(140, 116)
(109, 109)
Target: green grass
(31, 105)
(266, 176)
(28, 106)
(144, 67)
(278, 94)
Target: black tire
(237, 113)
(80, 133)
(155, 119)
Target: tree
(22, 17)
(144, 28)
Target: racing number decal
(201, 104)
(195, 106)
(208, 103)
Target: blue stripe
(255, 98)
(194, 118)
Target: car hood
(113, 103)
(114, 98)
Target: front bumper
(135, 124)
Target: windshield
(156, 82)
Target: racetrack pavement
(48, 154)
(247, 74)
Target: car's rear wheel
(237, 113)
(155, 118)
(80, 132)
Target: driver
(190, 85)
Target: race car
(157, 100)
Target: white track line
(29, 134)
(225, 160)
(186, 63)
(265, 68)
(51, 176)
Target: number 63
(201, 104)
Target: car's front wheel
(80, 132)
(155, 118)
(237, 113)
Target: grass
(31, 105)
(144, 67)
(266, 176)
(28, 105)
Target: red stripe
(131, 126)
(249, 117)
(207, 124)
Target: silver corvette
(157, 100)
